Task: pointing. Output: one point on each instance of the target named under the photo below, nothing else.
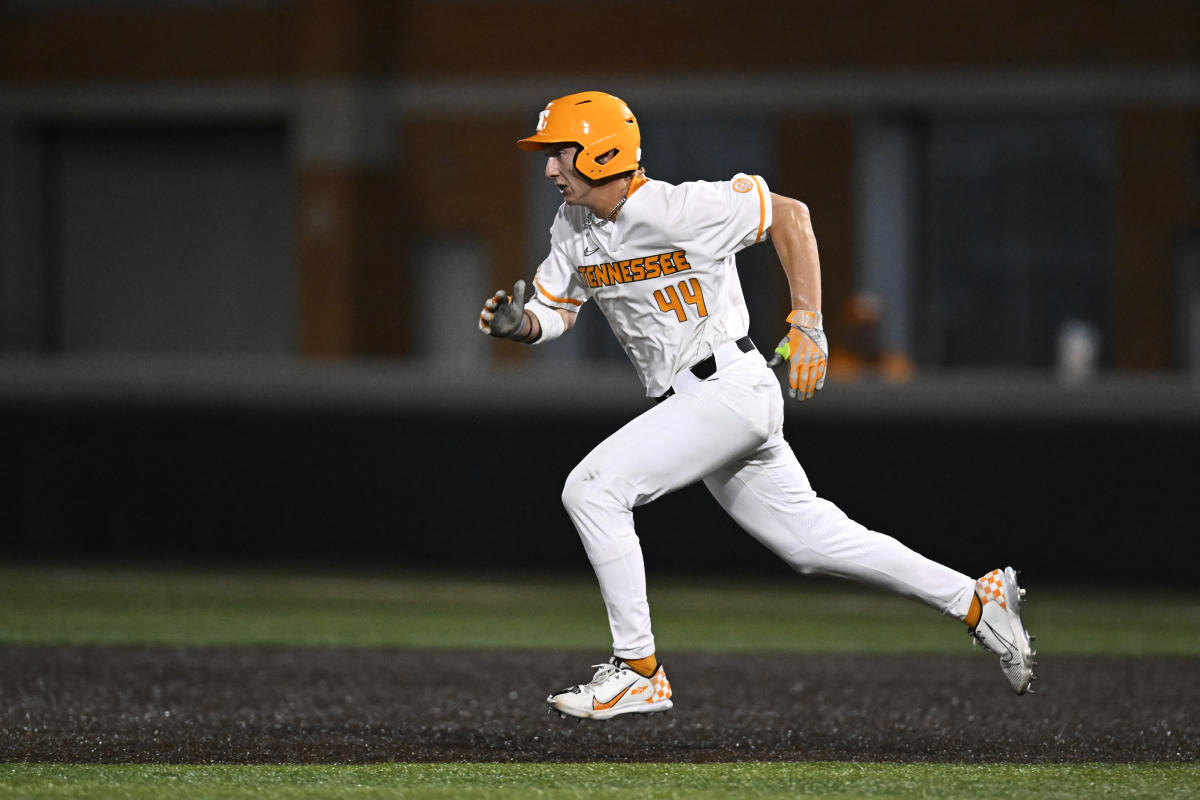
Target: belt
(706, 367)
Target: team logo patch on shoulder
(743, 185)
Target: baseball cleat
(1000, 628)
(615, 689)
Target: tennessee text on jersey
(634, 269)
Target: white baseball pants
(727, 431)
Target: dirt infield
(254, 705)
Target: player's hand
(807, 352)
(503, 315)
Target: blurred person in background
(863, 356)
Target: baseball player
(659, 261)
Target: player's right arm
(510, 317)
(554, 305)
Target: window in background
(1017, 244)
(164, 240)
(445, 330)
(887, 233)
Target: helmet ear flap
(595, 165)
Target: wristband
(806, 319)
(527, 315)
(551, 322)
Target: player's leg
(670, 446)
(769, 495)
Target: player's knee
(575, 490)
(587, 486)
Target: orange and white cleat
(1001, 630)
(615, 689)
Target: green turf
(750, 781)
(44, 604)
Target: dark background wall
(1078, 501)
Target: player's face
(560, 168)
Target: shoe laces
(603, 673)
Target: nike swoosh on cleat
(598, 706)
(1012, 648)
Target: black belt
(705, 367)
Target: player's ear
(607, 157)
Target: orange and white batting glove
(502, 314)
(806, 351)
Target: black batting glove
(503, 315)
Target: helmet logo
(542, 117)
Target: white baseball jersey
(663, 272)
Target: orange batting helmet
(598, 123)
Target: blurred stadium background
(243, 244)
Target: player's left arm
(804, 347)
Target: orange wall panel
(489, 39)
(1158, 198)
(184, 44)
(644, 38)
(816, 166)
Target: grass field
(749, 781)
(242, 607)
(239, 606)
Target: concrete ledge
(270, 384)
